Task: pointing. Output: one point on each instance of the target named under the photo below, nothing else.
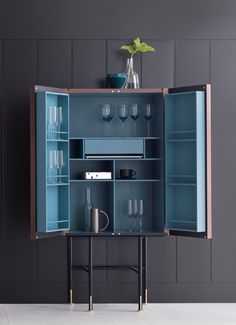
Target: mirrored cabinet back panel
(138, 156)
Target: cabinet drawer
(114, 147)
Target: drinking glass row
(124, 111)
(55, 165)
(54, 122)
(135, 215)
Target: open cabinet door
(49, 189)
(188, 161)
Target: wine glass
(148, 116)
(135, 214)
(58, 121)
(140, 215)
(60, 163)
(52, 166)
(134, 113)
(130, 214)
(107, 116)
(51, 121)
(123, 115)
(54, 119)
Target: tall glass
(52, 166)
(58, 120)
(123, 115)
(54, 118)
(140, 215)
(88, 209)
(60, 163)
(51, 121)
(134, 113)
(130, 214)
(135, 214)
(148, 116)
(107, 116)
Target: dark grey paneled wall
(114, 19)
(72, 46)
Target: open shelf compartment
(55, 178)
(57, 210)
(181, 208)
(102, 198)
(58, 100)
(85, 110)
(143, 169)
(152, 196)
(79, 167)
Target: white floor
(115, 314)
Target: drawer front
(114, 147)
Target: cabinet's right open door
(188, 161)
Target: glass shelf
(115, 138)
(184, 132)
(57, 221)
(183, 175)
(181, 140)
(58, 184)
(138, 180)
(182, 221)
(57, 176)
(90, 180)
(56, 140)
(182, 184)
(111, 159)
(56, 132)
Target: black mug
(127, 173)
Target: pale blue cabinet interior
(170, 162)
(185, 161)
(53, 199)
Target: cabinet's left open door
(188, 161)
(49, 162)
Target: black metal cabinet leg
(145, 269)
(140, 273)
(69, 269)
(90, 273)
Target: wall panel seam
(1, 157)
(72, 64)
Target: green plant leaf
(128, 48)
(146, 48)
(137, 46)
(136, 43)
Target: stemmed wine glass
(135, 214)
(134, 113)
(58, 120)
(52, 166)
(148, 116)
(123, 115)
(51, 121)
(60, 163)
(107, 115)
(140, 215)
(130, 214)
